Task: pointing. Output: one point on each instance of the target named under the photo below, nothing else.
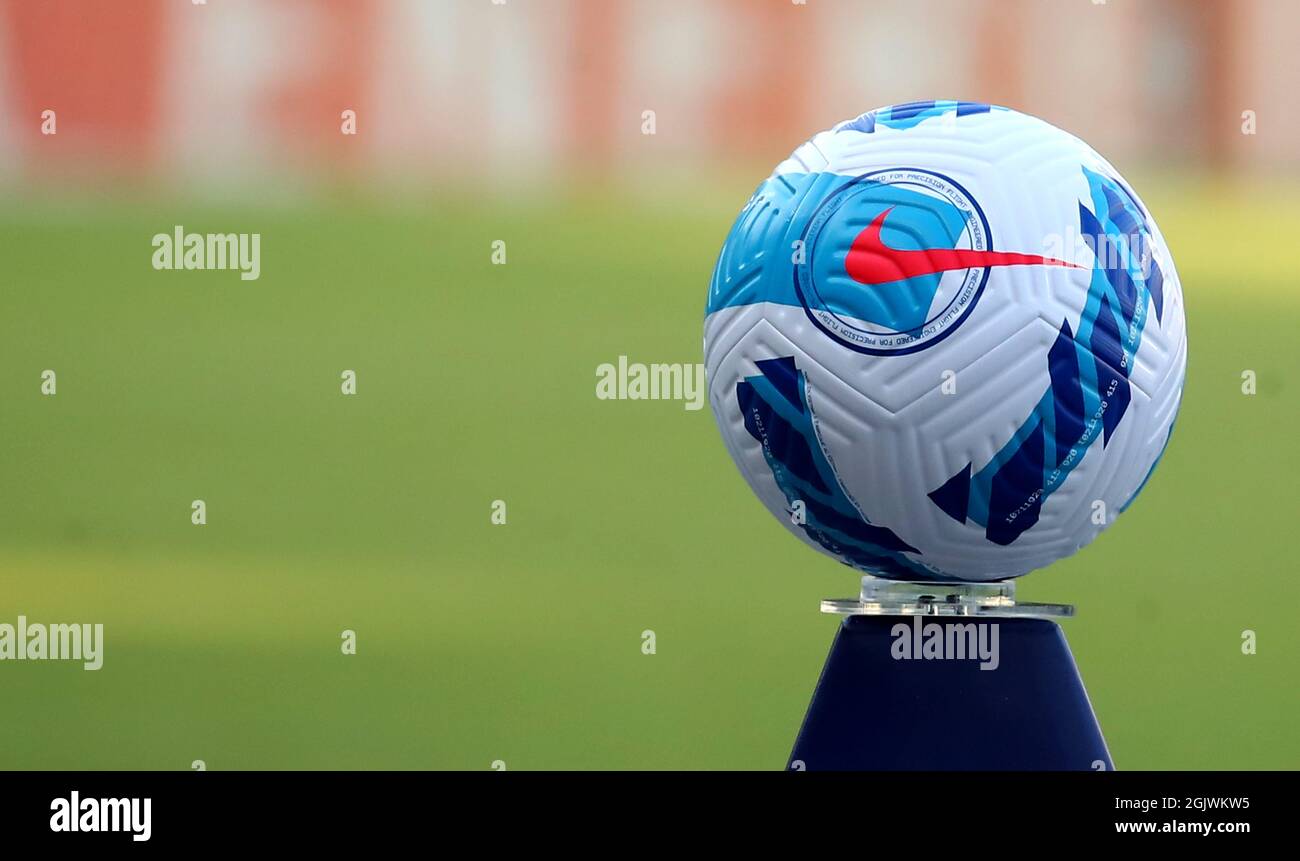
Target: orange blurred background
(236, 88)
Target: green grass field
(476, 382)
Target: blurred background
(526, 122)
(216, 92)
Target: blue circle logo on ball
(895, 260)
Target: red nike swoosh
(871, 261)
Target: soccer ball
(945, 341)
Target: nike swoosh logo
(871, 261)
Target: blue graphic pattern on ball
(774, 405)
(1089, 389)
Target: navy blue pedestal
(873, 712)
